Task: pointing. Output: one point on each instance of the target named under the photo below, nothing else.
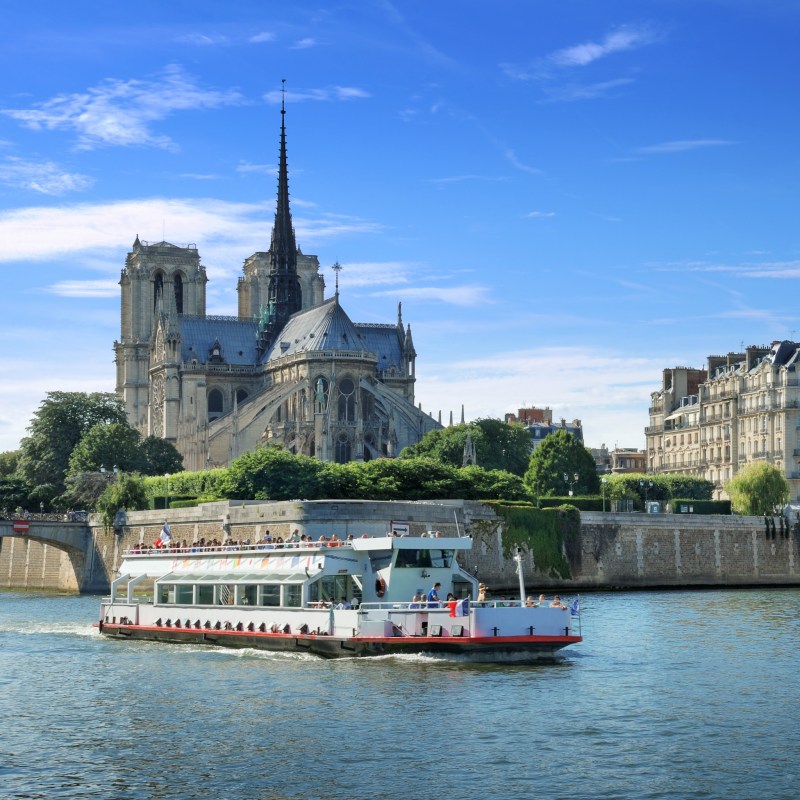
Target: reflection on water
(671, 695)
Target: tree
(159, 457)
(107, 445)
(560, 454)
(758, 489)
(8, 463)
(498, 445)
(83, 489)
(57, 426)
(126, 492)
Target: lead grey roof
(322, 327)
(383, 340)
(236, 337)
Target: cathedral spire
(284, 288)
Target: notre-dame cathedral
(291, 369)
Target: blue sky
(566, 196)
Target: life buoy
(380, 586)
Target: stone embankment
(616, 550)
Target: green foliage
(560, 454)
(498, 445)
(106, 445)
(83, 489)
(159, 457)
(590, 503)
(632, 485)
(552, 535)
(208, 484)
(8, 463)
(126, 492)
(758, 489)
(700, 506)
(57, 426)
(13, 493)
(270, 473)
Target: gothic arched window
(214, 404)
(177, 283)
(241, 396)
(347, 400)
(342, 450)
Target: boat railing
(259, 547)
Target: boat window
(248, 595)
(205, 594)
(292, 594)
(441, 558)
(380, 560)
(270, 595)
(166, 593)
(413, 558)
(223, 594)
(184, 594)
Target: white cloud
(304, 44)
(372, 273)
(462, 178)
(333, 93)
(540, 214)
(246, 168)
(572, 91)
(264, 36)
(606, 392)
(85, 288)
(44, 177)
(625, 38)
(121, 112)
(464, 296)
(683, 145)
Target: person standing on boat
(433, 595)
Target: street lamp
(604, 481)
(572, 482)
(645, 485)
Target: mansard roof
(237, 338)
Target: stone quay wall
(616, 550)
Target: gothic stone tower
(157, 279)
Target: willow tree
(758, 489)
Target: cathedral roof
(236, 337)
(384, 342)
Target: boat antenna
(455, 517)
(518, 559)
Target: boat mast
(518, 559)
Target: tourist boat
(329, 598)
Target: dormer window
(215, 353)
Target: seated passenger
(415, 601)
(529, 602)
(557, 603)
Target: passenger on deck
(451, 603)
(542, 601)
(557, 603)
(482, 589)
(433, 595)
(415, 601)
(529, 602)
(343, 603)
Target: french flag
(460, 609)
(165, 537)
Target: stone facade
(743, 407)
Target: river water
(671, 695)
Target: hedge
(701, 506)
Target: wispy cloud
(43, 177)
(512, 157)
(121, 113)
(333, 93)
(100, 288)
(246, 168)
(574, 91)
(625, 38)
(204, 39)
(683, 145)
(463, 178)
(373, 273)
(260, 38)
(304, 44)
(539, 214)
(465, 296)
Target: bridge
(80, 565)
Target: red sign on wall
(21, 526)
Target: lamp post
(572, 482)
(166, 496)
(645, 485)
(604, 481)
